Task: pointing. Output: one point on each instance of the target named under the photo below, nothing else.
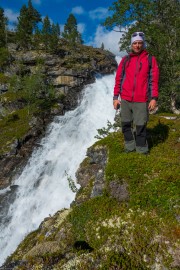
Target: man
(136, 84)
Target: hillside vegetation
(132, 222)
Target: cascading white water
(43, 187)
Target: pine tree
(55, 32)
(58, 30)
(70, 31)
(27, 23)
(37, 38)
(102, 46)
(24, 31)
(3, 23)
(46, 32)
(34, 16)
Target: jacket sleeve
(154, 79)
(118, 79)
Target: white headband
(137, 36)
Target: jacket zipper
(135, 78)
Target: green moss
(4, 57)
(3, 78)
(122, 261)
(14, 126)
(152, 180)
(88, 212)
(11, 96)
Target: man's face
(137, 46)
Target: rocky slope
(125, 215)
(23, 122)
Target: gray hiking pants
(134, 114)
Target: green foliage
(70, 31)
(4, 57)
(3, 23)
(37, 38)
(71, 183)
(53, 46)
(46, 32)
(27, 23)
(61, 97)
(160, 21)
(83, 216)
(11, 36)
(3, 78)
(34, 16)
(50, 35)
(122, 261)
(14, 126)
(35, 88)
(15, 84)
(105, 131)
(12, 117)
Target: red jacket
(137, 84)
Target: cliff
(125, 215)
(35, 86)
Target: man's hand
(152, 105)
(116, 103)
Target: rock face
(70, 67)
(67, 71)
(92, 171)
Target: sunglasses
(141, 34)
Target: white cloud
(81, 27)
(109, 38)
(98, 13)
(77, 10)
(11, 15)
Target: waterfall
(43, 187)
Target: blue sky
(89, 14)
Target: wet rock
(97, 155)
(92, 169)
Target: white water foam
(43, 186)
